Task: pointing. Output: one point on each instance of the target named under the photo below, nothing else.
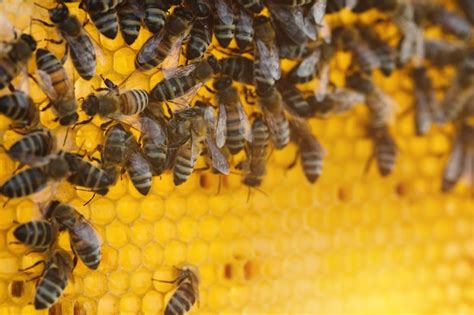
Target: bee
(202, 8)
(156, 12)
(103, 14)
(36, 144)
(19, 107)
(287, 49)
(39, 235)
(185, 80)
(425, 102)
(233, 126)
(155, 141)
(240, 69)
(193, 126)
(129, 21)
(84, 240)
(54, 278)
(441, 53)
(199, 39)
(461, 161)
(112, 103)
(187, 291)
(310, 150)
(271, 103)
(467, 6)
(385, 149)
(55, 167)
(166, 43)
(255, 166)
(311, 66)
(254, 6)
(14, 56)
(78, 42)
(294, 100)
(224, 20)
(59, 88)
(338, 101)
(243, 29)
(139, 171)
(267, 62)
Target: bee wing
(172, 60)
(270, 120)
(323, 84)
(155, 130)
(317, 11)
(219, 161)
(454, 169)
(195, 146)
(221, 129)
(269, 59)
(224, 12)
(149, 49)
(291, 21)
(46, 84)
(244, 120)
(307, 66)
(179, 71)
(186, 99)
(7, 30)
(82, 47)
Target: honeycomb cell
(152, 256)
(140, 281)
(197, 205)
(118, 282)
(124, 61)
(141, 233)
(130, 304)
(128, 210)
(116, 234)
(152, 303)
(164, 230)
(175, 253)
(152, 208)
(95, 285)
(197, 251)
(218, 297)
(187, 229)
(130, 257)
(175, 207)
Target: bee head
(263, 28)
(59, 14)
(27, 38)
(90, 105)
(202, 11)
(214, 63)
(222, 83)
(69, 119)
(58, 168)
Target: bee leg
(32, 266)
(249, 96)
(43, 22)
(19, 167)
(368, 164)
(295, 160)
(90, 200)
(45, 108)
(105, 125)
(209, 89)
(66, 51)
(6, 202)
(54, 41)
(84, 122)
(11, 87)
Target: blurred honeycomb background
(353, 243)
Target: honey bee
(14, 55)
(385, 149)
(154, 141)
(193, 126)
(271, 103)
(156, 12)
(255, 166)
(103, 14)
(224, 22)
(199, 39)
(166, 44)
(139, 170)
(117, 143)
(39, 235)
(312, 65)
(441, 53)
(425, 102)
(114, 104)
(59, 88)
(54, 278)
(187, 291)
(240, 69)
(294, 100)
(254, 6)
(202, 8)
(267, 62)
(186, 80)
(78, 42)
(339, 101)
(310, 150)
(19, 107)
(233, 127)
(461, 161)
(243, 29)
(129, 21)
(36, 144)
(84, 240)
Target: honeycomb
(353, 243)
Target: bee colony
(246, 156)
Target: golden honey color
(352, 243)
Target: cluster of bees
(175, 129)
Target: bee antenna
(39, 5)
(65, 137)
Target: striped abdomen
(106, 22)
(174, 87)
(140, 172)
(182, 300)
(82, 54)
(102, 5)
(365, 57)
(258, 153)
(255, 6)
(155, 15)
(38, 234)
(48, 63)
(133, 102)
(149, 57)
(116, 144)
(86, 243)
(385, 150)
(296, 101)
(183, 165)
(36, 144)
(129, 22)
(263, 78)
(24, 183)
(199, 40)
(243, 30)
(238, 68)
(235, 137)
(8, 71)
(19, 107)
(311, 154)
(154, 144)
(90, 176)
(280, 132)
(224, 30)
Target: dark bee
(156, 12)
(54, 278)
(186, 79)
(36, 144)
(14, 57)
(19, 107)
(103, 14)
(425, 102)
(254, 6)
(155, 141)
(385, 148)
(467, 7)
(167, 43)
(271, 103)
(84, 240)
(310, 150)
(199, 39)
(224, 22)
(294, 100)
(267, 62)
(78, 43)
(39, 235)
(240, 69)
(441, 53)
(202, 9)
(59, 88)
(338, 101)
(461, 161)
(243, 29)
(111, 103)
(187, 291)
(129, 21)
(312, 66)
(255, 166)
(233, 127)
